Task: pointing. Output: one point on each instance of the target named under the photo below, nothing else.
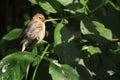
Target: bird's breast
(36, 31)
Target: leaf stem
(53, 19)
(99, 6)
(41, 57)
(56, 19)
(117, 8)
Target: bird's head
(39, 16)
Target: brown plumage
(35, 30)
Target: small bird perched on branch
(35, 30)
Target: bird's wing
(32, 30)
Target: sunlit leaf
(116, 7)
(13, 34)
(47, 6)
(57, 34)
(62, 72)
(74, 5)
(104, 32)
(33, 1)
(96, 31)
(83, 2)
(51, 6)
(65, 2)
(92, 50)
(95, 27)
(84, 30)
(14, 65)
(85, 73)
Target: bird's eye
(40, 18)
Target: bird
(34, 31)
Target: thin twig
(56, 19)
(53, 19)
(41, 57)
(99, 6)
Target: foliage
(81, 43)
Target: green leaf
(74, 5)
(84, 29)
(111, 20)
(26, 22)
(62, 72)
(102, 65)
(47, 6)
(13, 34)
(51, 6)
(104, 32)
(65, 2)
(65, 45)
(14, 66)
(83, 70)
(116, 7)
(92, 50)
(57, 34)
(34, 51)
(93, 4)
(33, 1)
(95, 31)
(84, 2)
(42, 42)
(95, 27)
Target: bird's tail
(24, 44)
